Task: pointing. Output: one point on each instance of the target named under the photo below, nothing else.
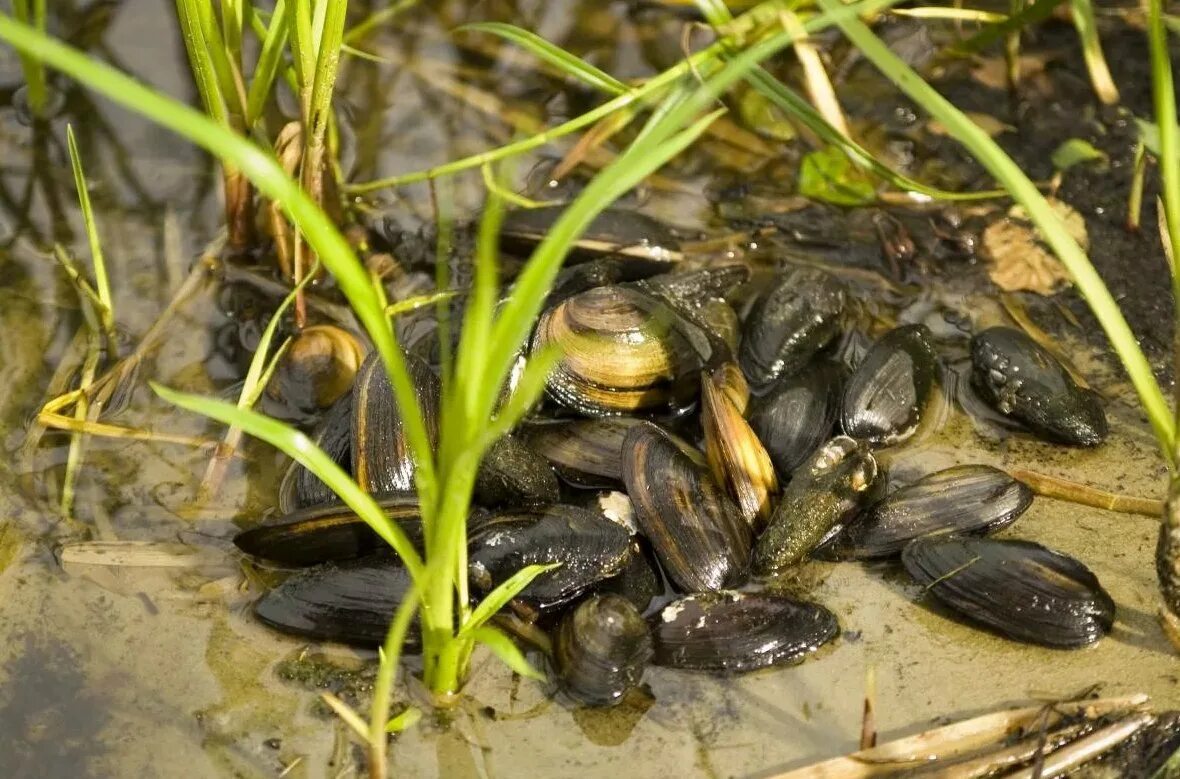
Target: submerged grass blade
(509, 653)
(559, 58)
(1005, 170)
(36, 89)
(102, 282)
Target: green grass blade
(1087, 27)
(270, 57)
(379, 721)
(331, 34)
(200, 60)
(304, 451)
(562, 60)
(509, 653)
(1032, 13)
(1025, 193)
(34, 73)
(1167, 134)
(499, 597)
(377, 18)
(102, 282)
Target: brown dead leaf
(986, 122)
(1020, 261)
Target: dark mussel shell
(622, 351)
(738, 631)
(697, 532)
(300, 488)
(640, 581)
(691, 292)
(601, 650)
(966, 499)
(588, 546)
(614, 231)
(585, 452)
(884, 399)
(382, 462)
(825, 492)
(511, 473)
(797, 415)
(1022, 380)
(789, 323)
(323, 533)
(1018, 588)
(601, 273)
(350, 602)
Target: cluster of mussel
(662, 544)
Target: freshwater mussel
(1018, 588)
(738, 631)
(795, 318)
(601, 650)
(887, 393)
(1022, 380)
(964, 499)
(587, 546)
(697, 532)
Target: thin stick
(819, 86)
(1086, 749)
(1061, 488)
(868, 720)
(103, 430)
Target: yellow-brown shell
(621, 352)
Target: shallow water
(128, 671)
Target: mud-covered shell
(588, 546)
(601, 650)
(697, 532)
(885, 397)
(350, 602)
(1018, 588)
(622, 351)
(689, 292)
(299, 487)
(324, 533)
(737, 632)
(797, 415)
(585, 452)
(512, 474)
(964, 499)
(382, 461)
(827, 491)
(1020, 378)
(789, 323)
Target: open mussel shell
(299, 487)
(736, 456)
(789, 323)
(350, 602)
(382, 462)
(622, 351)
(1018, 588)
(585, 452)
(511, 473)
(885, 397)
(588, 546)
(965, 499)
(697, 532)
(797, 415)
(738, 631)
(828, 490)
(601, 650)
(323, 533)
(1022, 380)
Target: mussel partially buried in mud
(1018, 588)
(737, 631)
(351, 602)
(601, 650)
(824, 492)
(964, 499)
(1022, 380)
